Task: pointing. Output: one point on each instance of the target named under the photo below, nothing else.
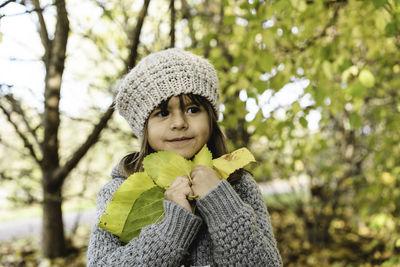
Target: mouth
(181, 141)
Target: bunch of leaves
(138, 202)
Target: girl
(170, 100)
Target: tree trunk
(54, 174)
(53, 244)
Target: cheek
(206, 131)
(152, 135)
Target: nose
(178, 121)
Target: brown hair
(132, 163)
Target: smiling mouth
(180, 140)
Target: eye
(193, 109)
(161, 113)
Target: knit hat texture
(158, 77)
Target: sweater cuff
(179, 225)
(220, 204)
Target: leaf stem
(190, 180)
(194, 197)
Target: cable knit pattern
(239, 225)
(160, 76)
(231, 227)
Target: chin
(186, 155)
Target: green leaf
(303, 122)
(327, 68)
(261, 86)
(367, 78)
(147, 209)
(266, 61)
(357, 89)
(379, 3)
(355, 121)
(120, 206)
(164, 166)
(203, 157)
(300, 5)
(391, 29)
(229, 20)
(296, 107)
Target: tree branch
(17, 108)
(63, 171)
(26, 12)
(310, 42)
(25, 140)
(6, 3)
(44, 35)
(101, 45)
(135, 37)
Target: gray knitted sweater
(231, 227)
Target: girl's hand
(204, 179)
(178, 192)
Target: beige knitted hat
(158, 77)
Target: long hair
(132, 163)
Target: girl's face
(179, 127)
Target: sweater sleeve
(239, 225)
(161, 244)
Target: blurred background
(310, 87)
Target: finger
(180, 184)
(199, 170)
(179, 180)
(196, 169)
(187, 190)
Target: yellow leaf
(387, 178)
(164, 166)
(203, 157)
(227, 164)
